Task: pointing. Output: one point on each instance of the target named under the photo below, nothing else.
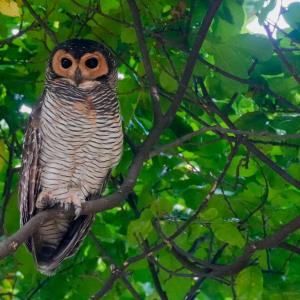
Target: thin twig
(20, 33)
(289, 66)
(219, 129)
(146, 59)
(41, 22)
(112, 263)
(250, 146)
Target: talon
(73, 198)
(77, 212)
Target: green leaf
(256, 46)
(292, 15)
(161, 206)
(176, 288)
(294, 170)
(228, 233)
(25, 261)
(128, 35)
(4, 155)
(167, 82)
(209, 214)
(249, 284)
(253, 121)
(283, 85)
(128, 98)
(140, 227)
(265, 11)
(108, 5)
(12, 214)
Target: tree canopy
(205, 203)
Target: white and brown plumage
(73, 140)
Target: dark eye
(92, 63)
(66, 63)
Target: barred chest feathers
(82, 139)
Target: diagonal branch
(113, 266)
(189, 67)
(10, 245)
(282, 57)
(21, 32)
(247, 81)
(146, 59)
(250, 146)
(271, 241)
(42, 23)
(219, 129)
(290, 247)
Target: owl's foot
(73, 198)
(44, 200)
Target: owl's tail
(58, 239)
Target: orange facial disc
(97, 71)
(58, 67)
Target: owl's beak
(78, 76)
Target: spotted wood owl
(73, 140)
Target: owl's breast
(67, 121)
(76, 129)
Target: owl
(73, 140)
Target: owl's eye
(66, 63)
(92, 63)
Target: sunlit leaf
(9, 8)
(249, 284)
(228, 233)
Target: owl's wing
(30, 171)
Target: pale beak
(78, 76)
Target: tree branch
(251, 147)
(41, 22)
(19, 34)
(290, 247)
(282, 57)
(270, 241)
(257, 87)
(10, 245)
(146, 59)
(219, 129)
(124, 278)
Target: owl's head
(82, 63)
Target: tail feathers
(58, 240)
(45, 268)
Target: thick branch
(270, 241)
(11, 244)
(192, 60)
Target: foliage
(226, 168)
